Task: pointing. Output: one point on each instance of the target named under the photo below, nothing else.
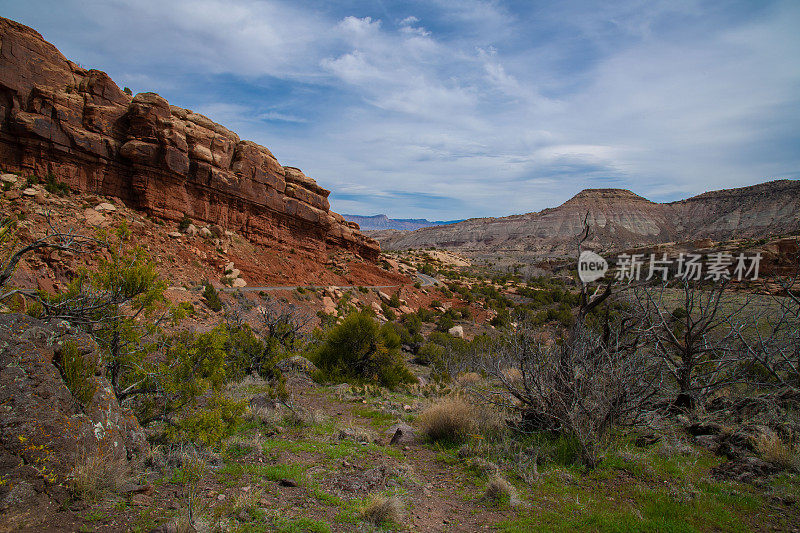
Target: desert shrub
(78, 372)
(359, 349)
(773, 450)
(448, 421)
(95, 475)
(431, 353)
(444, 323)
(425, 315)
(436, 303)
(450, 356)
(382, 511)
(53, 186)
(211, 296)
(185, 222)
(502, 319)
(186, 309)
(211, 424)
(394, 301)
(388, 312)
(412, 322)
(501, 493)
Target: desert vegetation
(679, 399)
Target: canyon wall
(75, 124)
(620, 219)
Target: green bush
(212, 424)
(358, 349)
(212, 297)
(78, 372)
(394, 301)
(53, 186)
(502, 319)
(444, 323)
(431, 354)
(185, 222)
(388, 312)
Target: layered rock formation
(76, 124)
(620, 219)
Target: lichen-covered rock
(44, 430)
(57, 117)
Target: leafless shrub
(592, 379)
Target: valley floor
(316, 467)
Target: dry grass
(773, 450)
(95, 475)
(501, 492)
(512, 375)
(248, 500)
(451, 420)
(469, 378)
(382, 510)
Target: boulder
(29, 192)
(11, 179)
(328, 305)
(93, 218)
(45, 431)
(105, 206)
(238, 283)
(401, 433)
(456, 331)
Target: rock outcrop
(44, 431)
(61, 119)
(620, 219)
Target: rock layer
(75, 124)
(620, 219)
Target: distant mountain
(619, 219)
(382, 222)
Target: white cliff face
(620, 219)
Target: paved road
(424, 281)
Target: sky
(451, 109)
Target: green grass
(301, 525)
(232, 473)
(641, 490)
(378, 419)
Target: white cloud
(503, 109)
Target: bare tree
(54, 239)
(595, 378)
(695, 338)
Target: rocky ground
(315, 467)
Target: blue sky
(453, 109)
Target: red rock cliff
(57, 117)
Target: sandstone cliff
(76, 124)
(620, 219)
